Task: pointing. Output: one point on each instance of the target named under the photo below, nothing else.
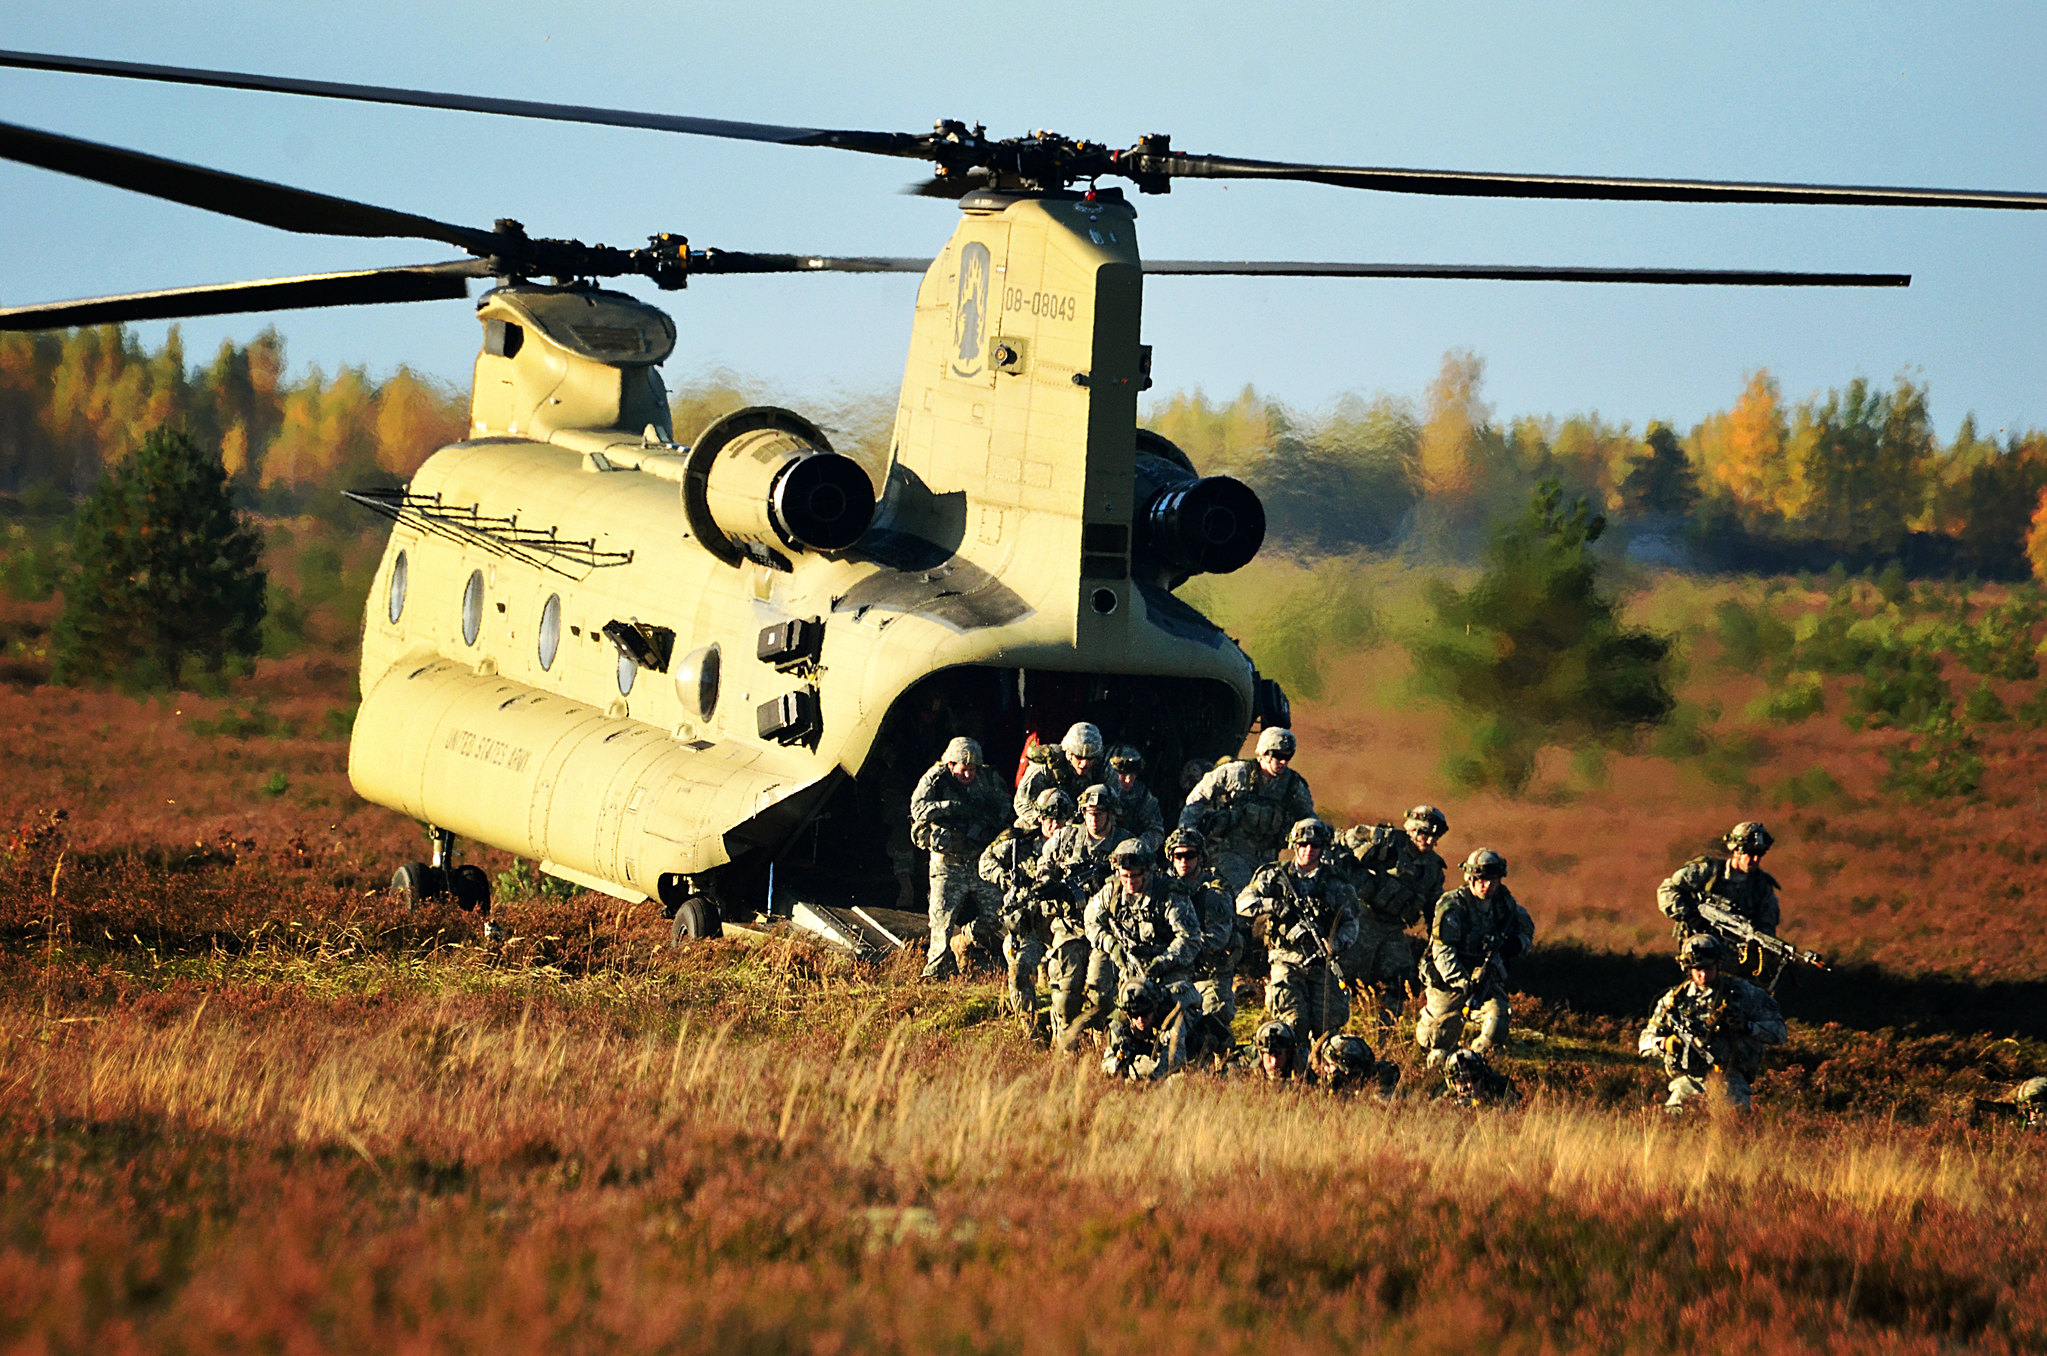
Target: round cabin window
(696, 681)
(472, 608)
(550, 629)
(397, 604)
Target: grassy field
(247, 1102)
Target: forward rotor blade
(1711, 277)
(422, 282)
(257, 200)
(737, 261)
(1461, 183)
(873, 143)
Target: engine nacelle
(762, 480)
(1188, 524)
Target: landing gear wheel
(414, 883)
(470, 887)
(695, 919)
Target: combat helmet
(1701, 950)
(1465, 1069)
(1485, 864)
(1347, 1060)
(1277, 1046)
(1749, 836)
(1096, 797)
(1309, 832)
(1082, 740)
(1054, 803)
(1277, 739)
(1427, 819)
(1125, 758)
(963, 750)
(1191, 840)
(2032, 1099)
(1129, 855)
(1143, 1000)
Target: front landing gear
(464, 886)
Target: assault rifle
(1698, 1041)
(1753, 943)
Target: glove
(1673, 1047)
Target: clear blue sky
(1932, 95)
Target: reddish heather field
(246, 1101)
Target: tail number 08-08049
(1046, 305)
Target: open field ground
(246, 1102)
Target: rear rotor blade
(423, 282)
(1711, 277)
(1461, 183)
(873, 143)
(257, 200)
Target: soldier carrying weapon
(1734, 899)
(1011, 865)
(1311, 918)
(1073, 866)
(955, 812)
(1712, 1024)
(1474, 932)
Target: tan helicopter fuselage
(1003, 588)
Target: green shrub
(1901, 686)
(1752, 640)
(1802, 697)
(1946, 760)
(1985, 707)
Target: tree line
(1855, 476)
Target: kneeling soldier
(1712, 1023)
(1475, 931)
(1311, 918)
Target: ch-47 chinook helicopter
(674, 669)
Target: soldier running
(956, 811)
(1475, 931)
(1141, 817)
(1010, 864)
(1143, 931)
(1311, 919)
(1398, 876)
(1222, 944)
(1736, 882)
(1073, 866)
(1245, 808)
(1074, 766)
(1713, 1023)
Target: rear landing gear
(466, 887)
(692, 914)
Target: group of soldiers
(1140, 932)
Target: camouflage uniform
(954, 823)
(1215, 969)
(1751, 894)
(1050, 765)
(1304, 913)
(1071, 868)
(1466, 933)
(1245, 814)
(1010, 865)
(1396, 882)
(1152, 934)
(1729, 1021)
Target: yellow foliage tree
(415, 417)
(2036, 540)
(1222, 439)
(1745, 453)
(1453, 414)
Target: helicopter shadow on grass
(1857, 994)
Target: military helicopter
(708, 671)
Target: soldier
(1311, 918)
(1712, 1023)
(1147, 1034)
(955, 813)
(1278, 1051)
(1141, 817)
(1246, 806)
(1222, 945)
(1344, 1064)
(2032, 1101)
(1468, 1080)
(1141, 925)
(1073, 866)
(1474, 932)
(1736, 882)
(1073, 767)
(1398, 875)
(1010, 864)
